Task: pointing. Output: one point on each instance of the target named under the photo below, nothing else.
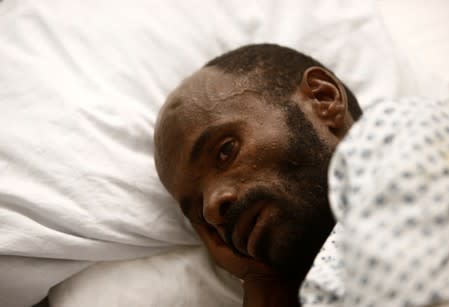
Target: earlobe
(327, 95)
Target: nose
(217, 204)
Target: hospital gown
(389, 191)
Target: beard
(304, 220)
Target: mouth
(250, 228)
(262, 222)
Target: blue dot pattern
(389, 191)
(323, 285)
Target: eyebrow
(204, 138)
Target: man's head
(244, 146)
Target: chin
(291, 249)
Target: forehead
(209, 98)
(210, 89)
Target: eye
(194, 212)
(226, 151)
(198, 216)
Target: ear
(328, 96)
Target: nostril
(224, 208)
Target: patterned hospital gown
(389, 191)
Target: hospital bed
(83, 217)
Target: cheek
(266, 155)
(259, 175)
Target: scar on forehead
(205, 92)
(217, 97)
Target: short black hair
(277, 70)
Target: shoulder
(388, 189)
(394, 140)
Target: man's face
(253, 170)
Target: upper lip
(245, 225)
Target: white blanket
(80, 86)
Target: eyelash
(198, 215)
(230, 155)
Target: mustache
(253, 196)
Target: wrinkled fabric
(389, 190)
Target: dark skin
(43, 303)
(219, 147)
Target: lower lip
(262, 220)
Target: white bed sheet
(420, 32)
(80, 86)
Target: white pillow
(182, 277)
(81, 83)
